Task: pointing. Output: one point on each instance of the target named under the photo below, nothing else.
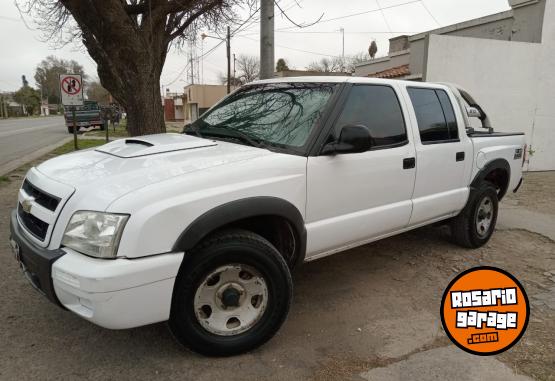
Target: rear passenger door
(443, 156)
(352, 198)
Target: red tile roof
(394, 72)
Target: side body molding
(238, 210)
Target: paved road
(23, 138)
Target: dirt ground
(364, 311)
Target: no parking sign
(71, 89)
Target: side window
(376, 107)
(435, 115)
(449, 114)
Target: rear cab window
(376, 107)
(435, 115)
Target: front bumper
(113, 293)
(36, 262)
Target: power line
(293, 22)
(361, 13)
(332, 32)
(383, 16)
(213, 49)
(430, 13)
(298, 50)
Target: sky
(363, 20)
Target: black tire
(464, 230)
(70, 130)
(225, 248)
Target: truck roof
(343, 79)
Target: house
(199, 98)
(523, 23)
(173, 107)
(506, 61)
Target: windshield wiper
(234, 134)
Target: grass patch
(121, 130)
(83, 144)
(4, 179)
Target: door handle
(460, 156)
(409, 163)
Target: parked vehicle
(204, 228)
(88, 117)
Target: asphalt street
(22, 138)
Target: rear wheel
(232, 294)
(70, 130)
(475, 225)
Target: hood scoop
(154, 144)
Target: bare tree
(129, 40)
(248, 68)
(95, 92)
(327, 65)
(352, 61)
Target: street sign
(71, 89)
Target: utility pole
(266, 39)
(228, 43)
(202, 61)
(342, 30)
(191, 63)
(234, 59)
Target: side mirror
(352, 139)
(473, 112)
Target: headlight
(95, 233)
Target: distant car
(88, 117)
(203, 228)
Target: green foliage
(281, 65)
(30, 98)
(47, 76)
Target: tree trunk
(129, 60)
(143, 103)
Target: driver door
(359, 197)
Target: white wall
(513, 81)
(543, 141)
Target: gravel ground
(353, 313)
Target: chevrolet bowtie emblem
(27, 203)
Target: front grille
(42, 198)
(37, 227)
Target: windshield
(271, 114)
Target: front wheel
(232, 294)
(475, 225)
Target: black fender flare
(233, 211)
(487, 169)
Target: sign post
(71, 90)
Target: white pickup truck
(202, 229)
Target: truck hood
(112, 170)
